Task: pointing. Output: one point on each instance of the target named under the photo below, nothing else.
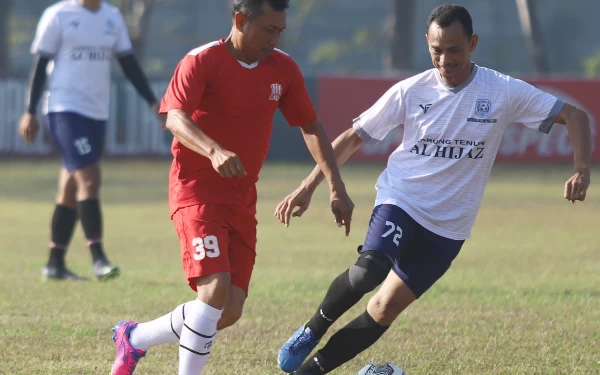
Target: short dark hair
(446, 14)
(253, 8)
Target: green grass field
(523, 297)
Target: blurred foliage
(331, 50)
(303, 10)
(592, 66)
(335, 50)
(21, 30)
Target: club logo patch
(483, 108)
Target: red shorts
(217, 238)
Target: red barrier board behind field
(342, 99)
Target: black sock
(346, 344)
(62, 226)
(340, 297)
(91, 221)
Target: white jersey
(82, 43)
(451, 136)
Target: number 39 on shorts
(206, 247)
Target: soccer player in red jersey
(220, 106)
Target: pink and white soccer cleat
(127, 356)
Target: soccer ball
(381, 369)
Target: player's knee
(369, 271)
(385, 310)
(67, 196)
(67, 190)
(214, 289)
(229, 318)
(88, 182)
(89, 187)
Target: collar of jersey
(88, 9)
(457, 89)
(248, 66)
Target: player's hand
(576, 187)
(342, 207)
(28, 127)
(227, 164)
(299, 198)
(162, 118)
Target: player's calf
(346, 344)
(346, 290)
(234, 308)
(393, 298)
(197, 337)
(369, 271)
(229, 318)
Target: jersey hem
(80, 113)
(174, 207)
(426, 224)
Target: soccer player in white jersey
(80, 37)
(454, 117)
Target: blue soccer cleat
(296, 349)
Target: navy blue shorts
(420, 256)
(79, 139)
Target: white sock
(197, 336)
(163, 330)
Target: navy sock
(91, 221)
(344, 345)
(63, 223)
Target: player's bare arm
(320, 148)
(343, 147)
(225, 162)
(578, 125)
(28, 125)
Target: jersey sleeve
(531, 106)
(123, 45)
(295, 104)
(187, 86)
(386, 114)
(48, 35)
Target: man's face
(260, 35)
(450, 49)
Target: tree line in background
(136, 13)
(398, 29)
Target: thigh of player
(79, 139)
(430, 257)
(391, 231)
(204, 237)
(242, 248)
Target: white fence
(132, 129)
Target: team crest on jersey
(110, 28)
(483, 108)
(275, 92)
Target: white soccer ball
(381, 369)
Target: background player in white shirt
(454, 117)
(80, 38)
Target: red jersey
(234, 104)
